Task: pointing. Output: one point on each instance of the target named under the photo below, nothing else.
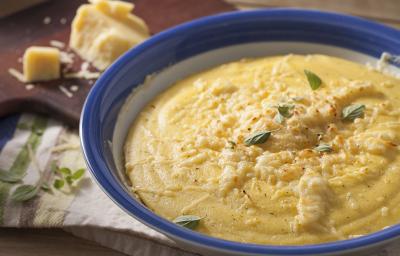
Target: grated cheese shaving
(57, 44)
(65, 91)
(384, 211)
(383, 64)
(85, 66)
(74, 88)
(63, 21)
(29, 87)
(66, 57)
(18, 75)
(355, 236)
(46, 20)
(83, 74)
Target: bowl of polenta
(268, 132)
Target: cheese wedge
(103, 30)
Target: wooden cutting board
(26, 28)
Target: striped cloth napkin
(31, 147)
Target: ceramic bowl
(117, 98)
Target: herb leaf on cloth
(24, 193)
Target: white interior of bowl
(159, 82)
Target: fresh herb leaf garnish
(352, 112)
(10, 177)
(258, 138)
(313, 79)
(188, 221)
(58, 184)
(66, 175)
(78, 174)
(24, 193)
(286, 110)
(323, 148)
(64, 171)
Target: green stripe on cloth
(22, 161)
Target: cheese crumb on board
(65, 91)
(57, 44)
(18, 75)
(66, 57)
(46, 20)
(63, 21)
(74, 88)
(85, 74)
(29, 87)
(104, 30)
(41, 63)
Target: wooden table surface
(24, 242)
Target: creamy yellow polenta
(186, 152)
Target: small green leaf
(64, 171)
(24, 193)
(58, 183)
(323, 148)
(279, 118)
(313, 79)
(69, 180)
(45, 187)
(78, 174)
(286, 110)
(188, 221)
(10, 177)
(257, 138)
(352, 112)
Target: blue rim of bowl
(110, 185)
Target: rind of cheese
(41, 64)
(104, 30)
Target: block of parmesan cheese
(103, 30)
(41, 63)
